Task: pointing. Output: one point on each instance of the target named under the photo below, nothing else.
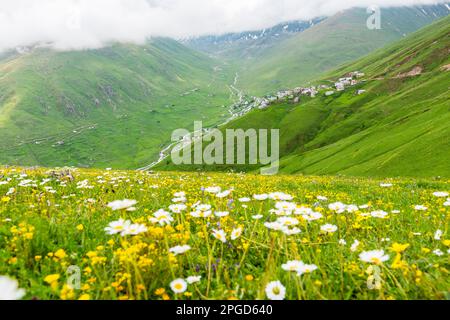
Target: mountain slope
(397, 127)
(110, 107)
(336, 40)
(249, 44)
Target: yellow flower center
(376, 260)
(178, 286)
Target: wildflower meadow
(104, 234)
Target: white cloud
(80, 24)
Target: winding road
(239, 99)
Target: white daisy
(280, 196)
(374, 256)
(213, 190)
(201, 214)
(302, 210)
(274, 226)
(322, 198)
(438, 234)
(306, 268)
(118, 226)
(354, 246)
(180, 249)
(260, 197)
(293, 265)
(236, 233)
(202, 207)
(379, 214)
(386, 185)
(337, 207)
(351, 208)
(134, 230)
(286, 206)
(179, 200)
(223, 194)
(275, 290)
(440, 194)
(177, 208)
(162, 217)
(291, 232)
(280, 212)
(178, 285)
(193, 279)
(245, 199)
(328, 228)
(438, 252)
(180, 194)
(420, 208)
(220, 235)
(122, 204)
(312, 216)
(257, 217)
(221, 214)
(287, 221)
(9, 289)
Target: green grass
(132, 94)
(399, 127)
(46, 228)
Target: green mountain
(110, 107)
(398, 126)
(341, 38)
(118, 106)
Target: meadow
(144, 235)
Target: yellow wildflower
(160, 291)
(51, 278)
(61, 254)
(398, 247)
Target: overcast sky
(81, 24)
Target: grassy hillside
(398, 127)
(323, 47)
(110, 107)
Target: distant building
(339, 86)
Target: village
(294, 95)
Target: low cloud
(82, 24)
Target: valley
(117, 106)
(392, 121)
